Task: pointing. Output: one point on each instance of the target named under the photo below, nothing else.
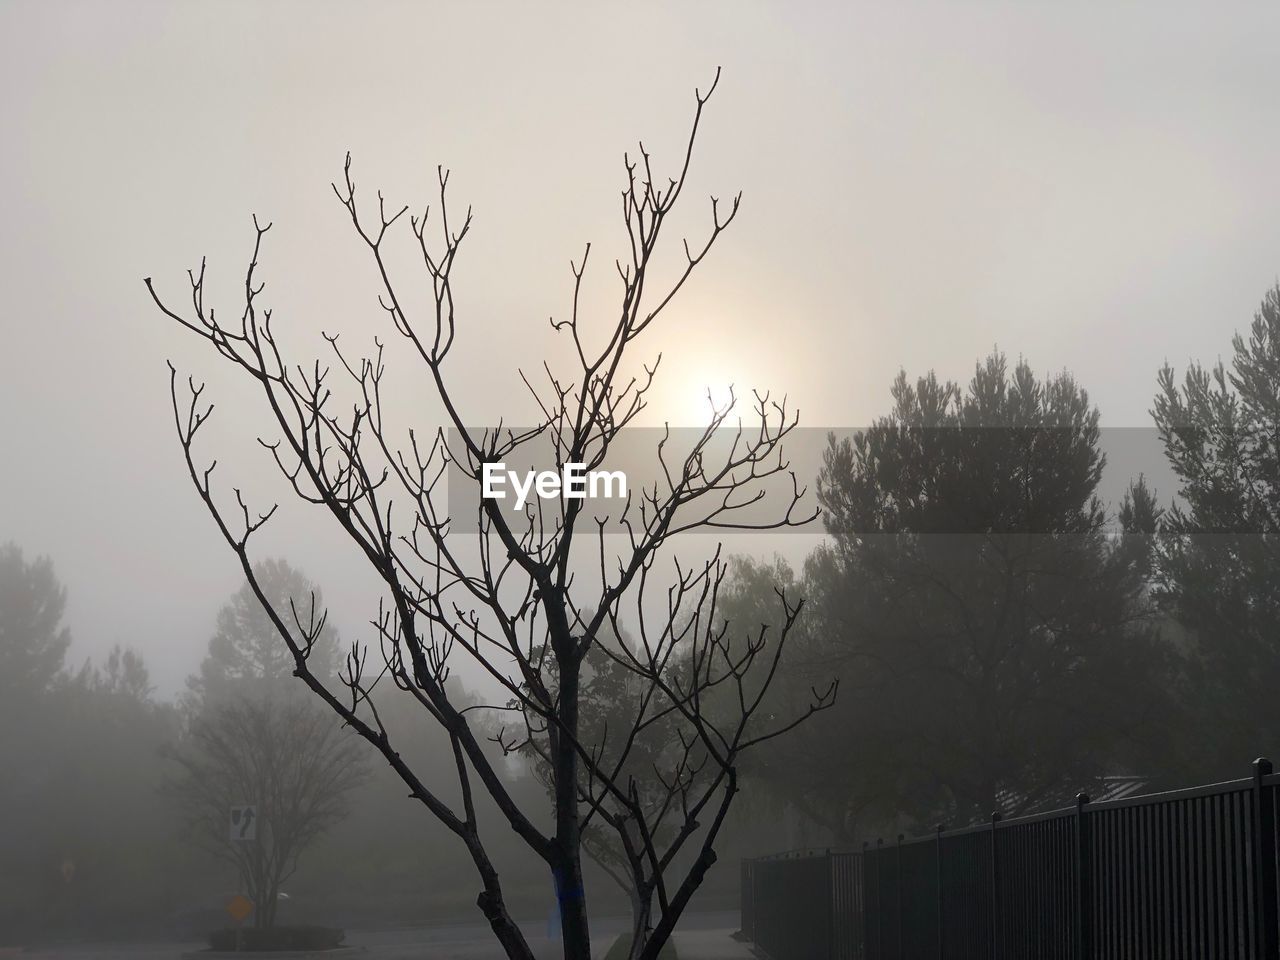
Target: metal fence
(1186, 874)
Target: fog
(1088, 189)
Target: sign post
(239, 907)
(242, 827)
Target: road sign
(243, 824)
(239, 907)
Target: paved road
(704, 936)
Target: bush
(622, 946)
(277, 938)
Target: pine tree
(1219, 549)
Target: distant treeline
(114, 803)
(1003, 639)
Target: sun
(709, 399)
(693, 396)
(700, 375)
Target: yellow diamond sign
(239, 907)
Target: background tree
(79, 750)
(251, 739)
(111, 732)
(991, 635)
(815, 772)
(33, 645)
(1219, 549)
(245, 651)
(288, 759)
(33, 640)
(520, 607)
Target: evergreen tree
(1219, 553)
(990, 634)
(245, 651)
(33, 639)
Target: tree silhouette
(79, 749)
(994, 632)
(245, 651)
(33, 640)
(522, 607)
(1219, 547)
(284, 758)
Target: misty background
(1088, 190)
(1092, 189)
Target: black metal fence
(1186, 874)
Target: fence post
(1264, 846)
(995, 887)
(941, 912)
(755, 898)
(1084, 881)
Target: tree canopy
(1219, 548)
(990, 633)
(245, 651)
(33, 639)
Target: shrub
(266, 939)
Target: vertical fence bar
(898, 869)
(830, 874)
(866, 905)
(941, 937)
(1084, 881)
(995, 886)
(1264, 859)
(879, 901)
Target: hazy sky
(1091, 186)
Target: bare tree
(289, 761)
(516, 612)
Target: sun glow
(701, 375)
(694, 397)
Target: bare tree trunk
(264, 891)
(570, 891)
(503, 927)
(641, 910)
(492, 905)
(251, 882)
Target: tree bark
(567, 865)
(641, 910)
